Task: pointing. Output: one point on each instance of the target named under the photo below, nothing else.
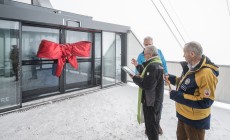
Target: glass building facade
(25, 77)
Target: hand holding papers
(128, 70)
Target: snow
(108, 114)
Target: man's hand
(134, 62)
(167, 82)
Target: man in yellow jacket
(195, 93)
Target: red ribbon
(51, 50)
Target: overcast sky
(205, 21)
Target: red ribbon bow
(51, 50)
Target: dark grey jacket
(152, 84)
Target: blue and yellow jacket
(195, 93)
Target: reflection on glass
(108, 59)
(71, 23)
(44, 78)
(97, 61)
(82, 77)
(14, 57)
(118, 58)
(9, 64)
(74, 36)
(36, 74)
(32, 37)
(24, 1)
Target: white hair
(148, 38)
(194, 47)
(152, 50)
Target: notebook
(128, 70)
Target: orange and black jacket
(195, 93)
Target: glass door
(97, 59)
(9, 65)
(83, 76)
(108, 59)
(38, 78)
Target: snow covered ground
(109, 114)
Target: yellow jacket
(195, 93)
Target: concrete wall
(223, 86)
(134, 48)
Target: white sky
(205, 21)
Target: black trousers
(34, 71)
(15, 69)
(151, 125)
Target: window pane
(32, 37)
(24, 1)
(108, 58)
(74, 36)
(43, 78)
(97, 69)
(118, 58)
(9, 64)
(37, 73)
(82, 77)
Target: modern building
(25, 77)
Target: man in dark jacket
(14, 57)
(151, 85)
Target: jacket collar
(206, 62)
(155, 58)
